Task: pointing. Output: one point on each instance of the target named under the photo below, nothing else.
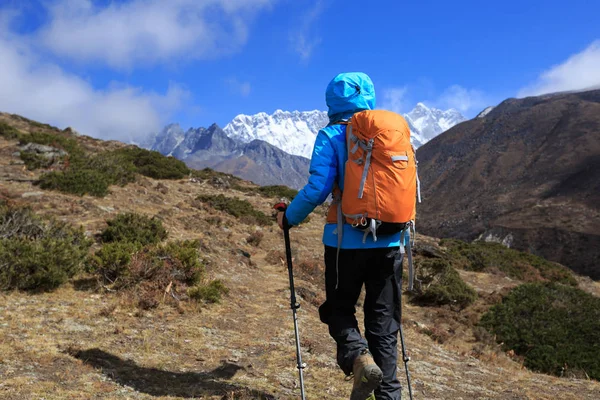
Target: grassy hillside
(179, 290)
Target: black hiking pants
(382, 277)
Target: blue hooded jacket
(346, 94)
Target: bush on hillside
(153, 274)
(94, 175)
(67, 144)
(127, 264)
(211, 292)
(134, 228)
(8, 132)
(115, 166)
(209, 174)
(77, 181)
(111, 261)
(440, 284)
(277, 191)
(239, 208)
(35, 161)
(491, 257)
(555, 328)
(153, 164)
(37, 253)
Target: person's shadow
(156, 382)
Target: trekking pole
(405, 357)
(406, 360)
(294, 305)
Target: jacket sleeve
(323, 172)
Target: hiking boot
(367, 376)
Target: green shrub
(278, 191)
(112, 260)
(8, 132)
(208, 173)
(36, 253)
(152, 274)
(210, 293)
(93, 175)
(153, 164)
(554, 327)
(239, 208)
(20, 222)
(115, 166)
(440, 284)
(35, 161)
(190, 269)
(488, 257)
(127, 264)
(135, 228)
(77, 181)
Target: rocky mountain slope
(86, 341)
(257, 160)
(526, 173)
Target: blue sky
(123, 68)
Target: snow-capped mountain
(169, 139)
(293, 132)
(426, 123)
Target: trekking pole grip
(280, 207)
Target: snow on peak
(485, 112)
(426, 123)
(295, 131)
(292, 131)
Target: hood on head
(349, 93)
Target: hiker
(359, 258)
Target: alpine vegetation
(555, 328)
(38, 253)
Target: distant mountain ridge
(526, 172)
(294, 132)
(275, 148)
(257, 161)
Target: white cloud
(45, 92)
(394, 99)
(580, 71)
(462, 99)
(122, 35)
(303, 39)
(402, 99)
(239, 87)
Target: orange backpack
(381, 185)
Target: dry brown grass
(78, 343)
